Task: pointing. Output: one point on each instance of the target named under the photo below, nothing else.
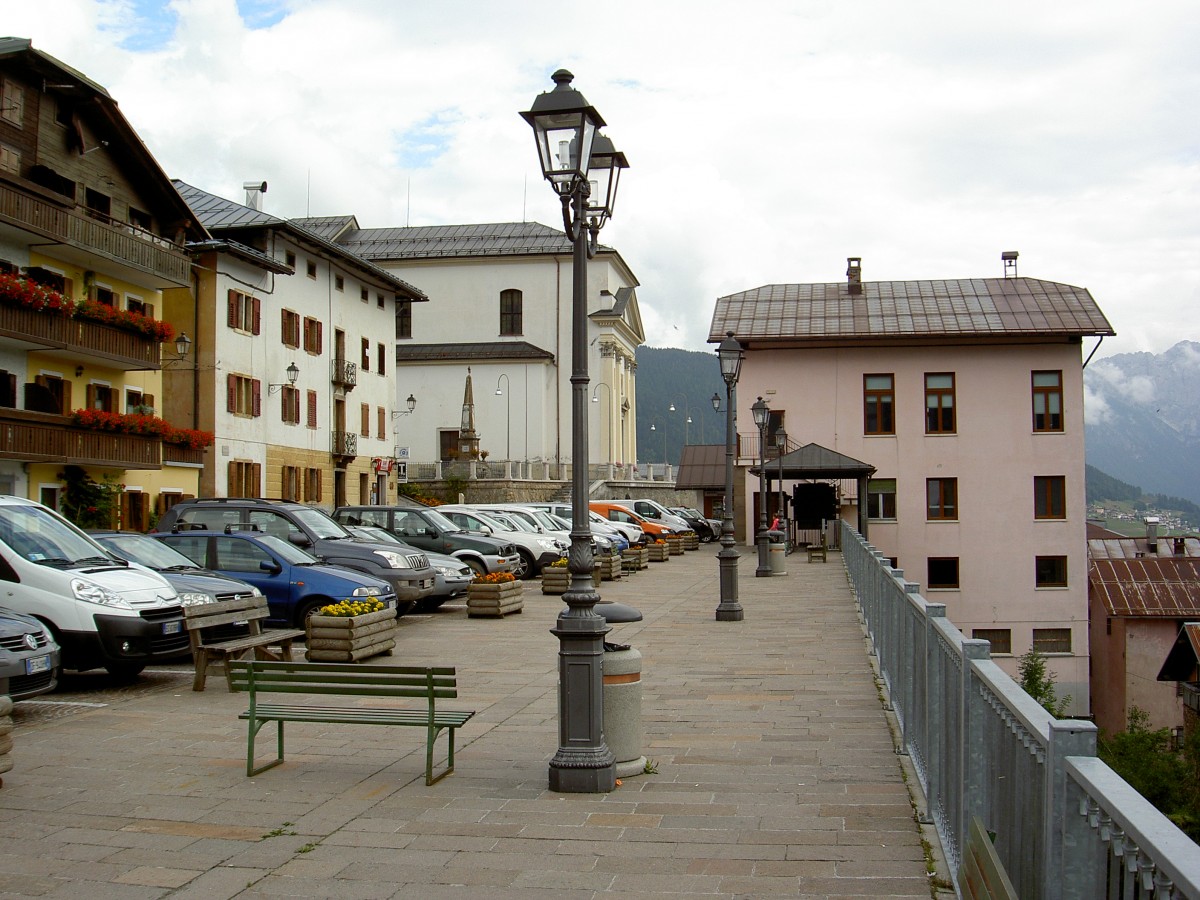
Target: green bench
(257, 677)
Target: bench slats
(356, 715)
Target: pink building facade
(967, 399)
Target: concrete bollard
(777, 552)
(623, 710)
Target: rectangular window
(290, 405)
(243, 396)
(290, 258)
(141, 220)
(379, 301)
(879, 400)
(339, 283)
(289, 328)
(1049, 497)
(380, 356)
(138, 403)
(999, 638)
(404, 319)
(312, 485)
(943, 572)
(10, 159)
(1047, 401)
(104, 295)
(244, 312)
(12, 107)
(1051, 571)
(290, 487)
(312, 409)
(942, 497)
(99, 204)
(313, 335)
(380, 422)
(310, 268)
(364, 295)
(245, 479)
(881, 498)
(365, 430)
(136, 304)
(510, 312)
(939, 403)
(1052, 640)
(366, 354)
(102, 397)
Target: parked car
(428, 529)
(615, 512)
(706, 529)
(453, 575)
(655, 512)
(194, 584)
(29, 657)
(541, 522)
(102, 611)
(409, 574)
(631, 531)
(294, 581)
(533, 551)
(605, 538)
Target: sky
(767, 141)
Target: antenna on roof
(524, 196)
(408, 204)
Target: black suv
(407, 571)
(425, 527)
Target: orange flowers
(495, 578)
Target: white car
(631, 531)
(533, 550)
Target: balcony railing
(123, 243)
(181, 455)
(345, 443)
(344, 373)
(43, 437)
(1066, 825)
(90, 339)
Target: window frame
(941, 510)
(1046, 394)
(244, 312)
(512, 305)
(313, 335)
(289, 405)
(1005, 644)
(935, 417)
(874, 402)
(1043, 636)
(871, 517)
(942, 585)
(1044, 507)
(1040, 579)
(404, 321)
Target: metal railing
(343, 373)
(1066, 825)
(343, 443)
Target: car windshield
(321, 525)
(146, 551)
(373, 533)
(286, 550)
(439, 521)
(548, 521)
(42, 536)
(514, 523)
(495, 522)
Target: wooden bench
(348, 680)
(204, 617)
(818, 551)
(981, 876)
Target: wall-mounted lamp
(411, 403)
(293, 372)
(183, 346)
(78, 371)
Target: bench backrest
(225, 612)
(356, 679)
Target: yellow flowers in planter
(559, 563)
(346, 608)
(495, 578)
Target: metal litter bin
(622, 694)
(777, 552)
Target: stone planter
(658, 552)
(494, 599)
(608, 567)
(675, 544)
(350, 638)
(6, 742)
(691, 540)
(555, 579)
(634, 558)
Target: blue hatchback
(295, 583)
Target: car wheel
(476, 567)
(523, 565)
(125, 671)
(306, 610)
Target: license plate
(172, 627)
(37, 664)
(428, 582)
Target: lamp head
(293, 372)
(564, 127)
(716, 402)
(761, 413)
(183, 344)
(604, 171)
(411, 402)
(730, 354)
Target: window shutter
(285, 331)
(126, 510)
(256, 477)
(231, 393)
(256, 306)
(148, 400)
(319, 474)
(296, 406)
(160, 504)
(380, 354)
(283, 406)
(232, 488)
(366, 420)
(312, 409)
(232, 315)
(256, 387)
(91, 396)
(381, 423)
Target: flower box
(675, 544)
(555, 579)
(658, 552)
(635, 558)
(350, 638)
(691, 540)
(494, 600)
(608, 567)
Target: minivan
(102, 611)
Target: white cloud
(767, 143)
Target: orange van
(617, 513)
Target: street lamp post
(762, 416)
(609, 429)
(571, 153)
(687, 420)
(729, 609)
(781, 447)
(507, 395)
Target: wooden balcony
(127, 246)
(115, 346)
(181, 455)
(46, 438)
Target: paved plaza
(775, 774)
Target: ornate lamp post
(508, 413)
(583, 169)
(728, 610)
(781, 449)
(762, 416)
(609, 429)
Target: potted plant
(659, 551)
(497, 594)
(350, 631)
(556, 577)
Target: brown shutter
(232, 487)
(312, 409)
(256, 476)
(126, 509)
(148, 400)
(285, 331)
(91, 396)
(296, 406)
(320, 338)
(160, 504)
(256, 307)
(232, 313)
(231, 393)
(256, 388)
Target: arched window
(510, 312)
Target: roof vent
(1151, 533)
(1009, 258)
(854, 274)
(254, 192)
(1180, 546)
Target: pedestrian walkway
(775, 771)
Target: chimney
(1009, 258)
(1151, 533)
(254, 191)
(854, 274)
(1180, 546)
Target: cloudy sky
(768, 141)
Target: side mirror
(299, 538)
(271, 568)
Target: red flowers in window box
(18, 290)
(137, 423)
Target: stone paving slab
(776, 771)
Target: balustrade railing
(343, 373)
(89, 339)
(44, 437)
(344, 443)
(1067, 827)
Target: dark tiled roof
(1155, 585)
(327, 227)
(815, 461)
(701, 467)
(968, 308)
(241, 250)
(482, 352)
(440, 241)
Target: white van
(102, 611)
(655, 512)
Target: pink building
(966, 396)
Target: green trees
(1038, 682)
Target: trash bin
(623, 694)
(777, 552)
